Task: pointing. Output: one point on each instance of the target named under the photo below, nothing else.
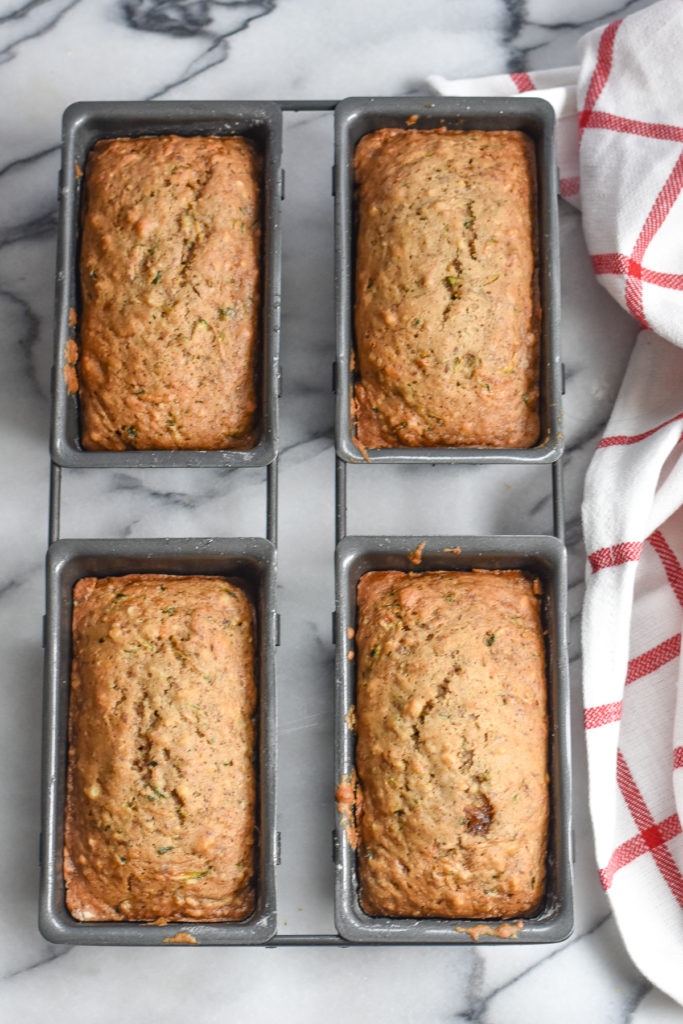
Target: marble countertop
(55, 52)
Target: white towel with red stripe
(620, 153)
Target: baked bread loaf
(160, 788)
(451, 747)
(446, 307)
(170, 294)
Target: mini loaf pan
(83, 125)
(357, 117)
(543, 557)
(250, 561)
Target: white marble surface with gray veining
(53, 52)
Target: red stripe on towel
(666, 198)
(617, 263)
(633, 848)
(600, 74)
(522, 81)
(634, 438)
(653, 659)
(602, 714)
(570, 186)
(630, 126)
(638, 667)
(672, 567)
(618, 554)
(652, 835)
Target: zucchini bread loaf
(451, 746)
(160, 788)
(446, 308)
(170, 294)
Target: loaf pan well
(357, 117)
(543, 557)
(252, 562)
(85, 123)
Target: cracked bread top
(451, 747)
(160, 789)
(170, 294)
(446, 306)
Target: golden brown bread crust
(170, 291)
(160, 790)
(451, 747)
(446, 309)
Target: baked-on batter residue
(182, 939)
(349, 802)
(504, 930)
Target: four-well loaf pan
(253, 561)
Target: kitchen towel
(620, 155)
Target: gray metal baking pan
(355, 118)
(252, 561)
(543, 557)
(85, 123)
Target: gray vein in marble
(590, 436)
(55, 954)
(24, 160)
(523, 52)
(187, 18)
(42, 225)
(8, 588)
(20, 12)
(539, 506)
(636, 999)
(28, 337)
(575, 660)
(475, 988)
(216, 53)
(557, 952)
(516, 13)
(604, 18)
(325, 436)
(319, 440)
(576, 585)
(174, 17)
(8, 52)
(179, 499)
